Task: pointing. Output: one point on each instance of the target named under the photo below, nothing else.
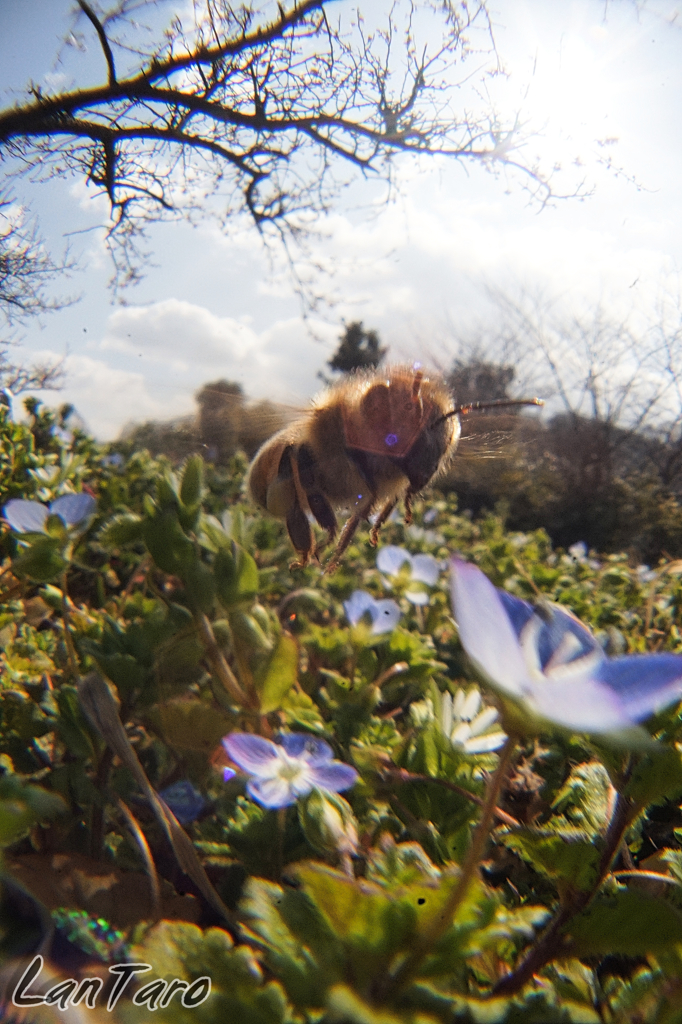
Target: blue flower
(282, 772)
(184, 800)
(424, 569)
(547, 661)
(31, 516)
(384, 614)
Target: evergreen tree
(358, 349)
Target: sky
(591, 79)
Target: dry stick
(99, 705)
(403, 775)
(471, 862)
(141, 840)
(552, 942)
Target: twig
(551, 942)
(403, 775)
(143, 846)
(480, 837)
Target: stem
(480, 837)
(403, 775)
(552, 940)
(281, 827)
(68, 638)
(220, 667)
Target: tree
(358, 349)
(26, 270)
(220, 412)
(241, 110)
(476, 379)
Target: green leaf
(43, 561)
(279, 676)
(239, 992)
(656, 777)
(193, 724)
(73, 726)
(567, 855)
(22, 806)
(629, 922)
(236, 576)
(345, 1005)
(168, 545)
(191, 485)
(122, 669)
(121, 530)
(199, 584)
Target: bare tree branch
(248, 114)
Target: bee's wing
(259, 421)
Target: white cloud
(174, 337)
(106, 398)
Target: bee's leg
(380, 520)
(300, 534)
(408, 506)
(346, 537)
(317, 502)
(297, 524)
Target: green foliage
(346, 907)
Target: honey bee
(367, 442)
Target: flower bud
(328, 822)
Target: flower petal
(471, 706)
(518, 610)
(644, 682)
(563, 638)
(252, 753)
(483, 721)
(485, 629)
(271, 792)
(334, 777)
(357, 604)
(184, 800)
(581, 703)
(309, 748)
(391, 559)
(74, 508)
(26, 516)
(425, 568)
(419, 597)
(385, 616)
(484, 744)
(446, 712)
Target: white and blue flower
(549, 663)
(423, 571)
(469, 725)
(384, 614)
(31, 516)
(281, 773)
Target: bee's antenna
(464, 410)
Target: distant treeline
(581, 478)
